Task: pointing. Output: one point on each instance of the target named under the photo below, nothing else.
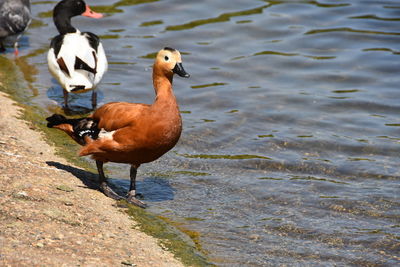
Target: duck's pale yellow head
(170, 61)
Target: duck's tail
(77, 129)
(81, 81)
(56, 119)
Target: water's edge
(169, 236)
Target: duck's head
(169, 61)
(71, 8)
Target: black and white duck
(76, 59)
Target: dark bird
(15, 16)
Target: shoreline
(52, 213)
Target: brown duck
(131, 133)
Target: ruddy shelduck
(128, 132)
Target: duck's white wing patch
(103, 134)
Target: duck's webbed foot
(106, 189)
(131, 198)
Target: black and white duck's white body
(15, 16)
(76, 59)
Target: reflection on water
(221, 18)
(17, 72)
(290, 147)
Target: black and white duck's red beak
(91, 14)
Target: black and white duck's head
(66, 9)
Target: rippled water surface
(291, 141)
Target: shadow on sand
(153, 189)
(89, 179)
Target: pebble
(22, 194)
(65, 188)
(128, 263)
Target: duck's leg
(94, 99)
(16, 52)
(65, 98)
(2, 48)
(104, 187)
(131, 197)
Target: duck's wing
(57, 65)
(15, 16)
(101, 59)
(117, 115)
(77, 52)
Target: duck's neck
(63, 24)
(163, 88)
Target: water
(289, 153)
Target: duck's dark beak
(178, 69)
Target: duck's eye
(166, 58)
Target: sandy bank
(52, 215)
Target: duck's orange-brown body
(137, 133)
(131, 133)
